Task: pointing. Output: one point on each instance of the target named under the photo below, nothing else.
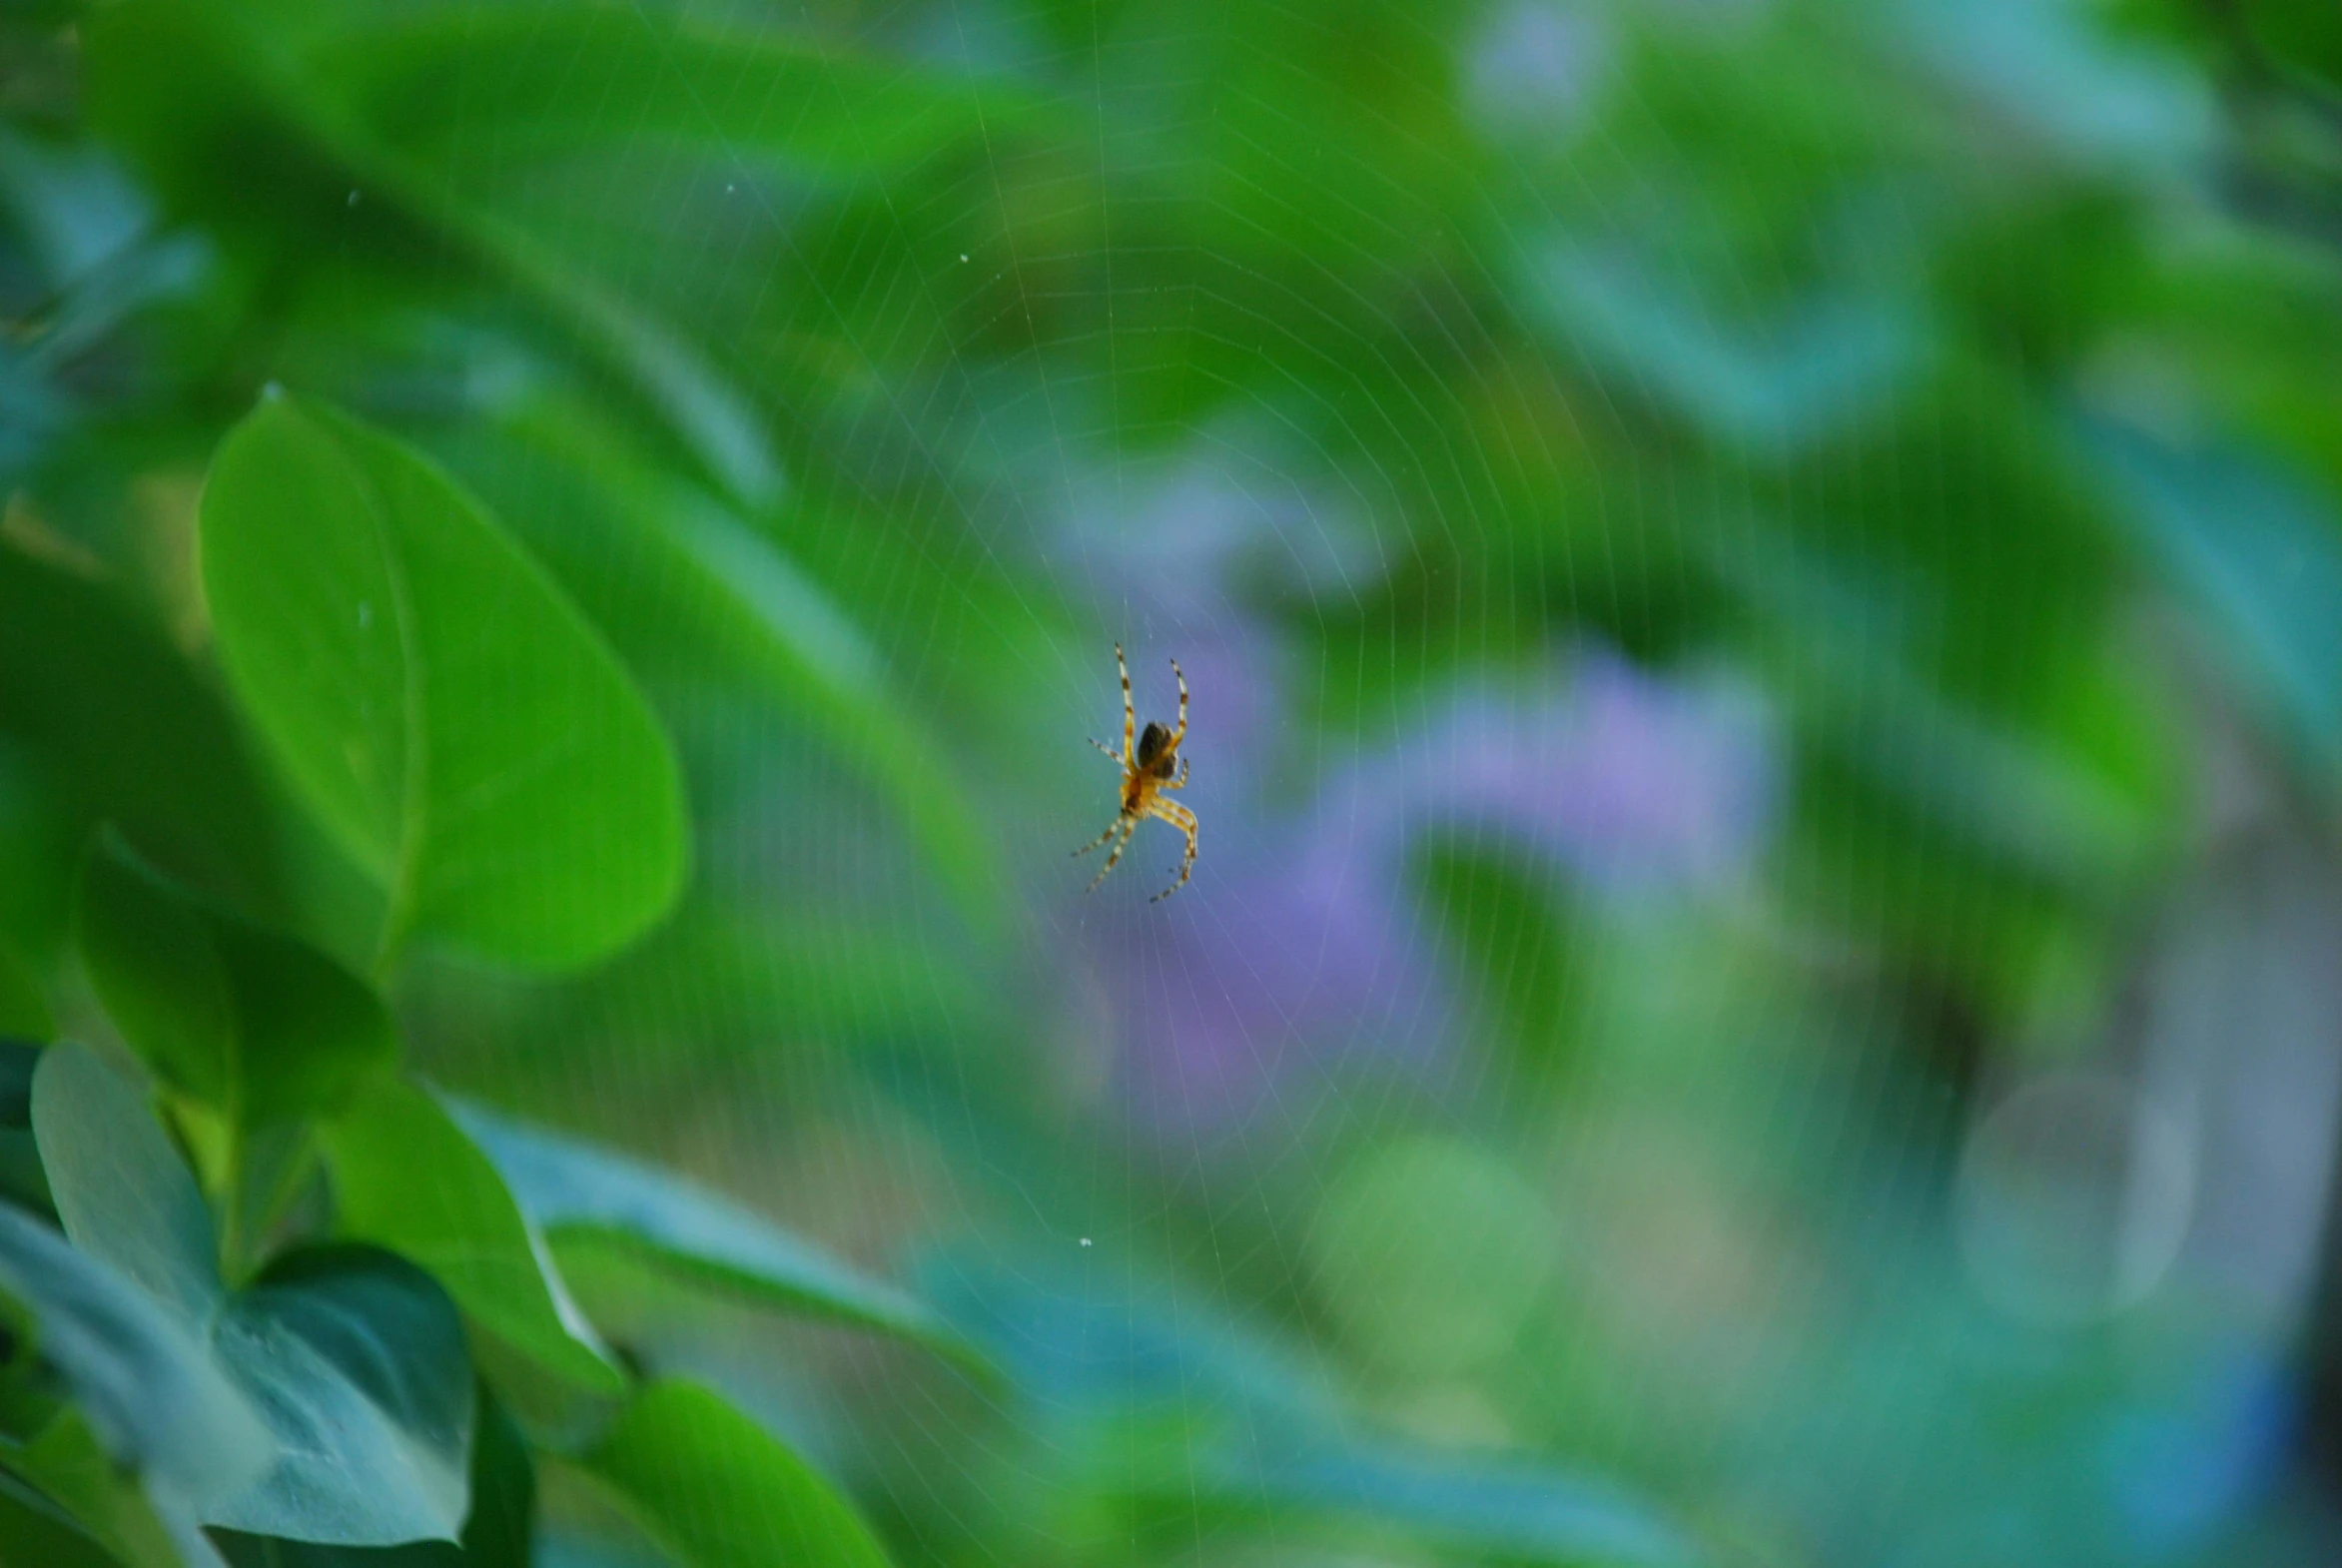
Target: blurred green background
(1763, 592)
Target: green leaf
(581, 1193)
(187, 84)
(462, 732)
(407, 1178)
(715, 1490)
(355, 1361)
(248, 1021)
(21, 1177)
(31, 1531)
(24, 1012)
(135, 1520)
(90, 686)
(590, 77)
(664, 560)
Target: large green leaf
(463, 733)
(355, 1361)
(406, 1177)
(250, 1022)
(715, 1490)
(580, 1194)
(676, 575)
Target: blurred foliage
(573, 545)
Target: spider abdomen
(1153, 756)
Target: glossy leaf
(407, 1178)
(715, 1490)
(252, 1022)
(580, 1193)
(354, 1362)
(462, 732)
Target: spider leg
(1181, 733)
(1181, 818)
(1109, 750)
(1179, 783)
(1130, 713)
(1128, 826)
(1112, 829)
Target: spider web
(1651, 1050)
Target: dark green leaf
(554, 81)
(466, 736)
(31, 1531)
(356, 1363)
(145, 744)
(406, 1176)
(715, 1490)
(250, 1021)
(185, 82)
(580, 1193)
(24, 1012)
(138, 1521)
(21, 1177)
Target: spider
(1146, 777)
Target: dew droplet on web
(1085, 1240)
(354, 197)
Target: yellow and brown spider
(1146, 777)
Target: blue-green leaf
(578, 1193)
(2260, 554)
(355, 1362)
(141, 1374)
